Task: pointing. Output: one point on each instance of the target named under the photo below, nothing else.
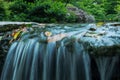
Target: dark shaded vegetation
(2, 10)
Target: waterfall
(67, 58)
(34, 60)
(106, 66)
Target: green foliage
(98, 12)
(111, 17)
(110, 5)
(103, 10)
(117, 9)
(38, 11)
(2, 10)
(18, 7)
(65, 1)
(18, 11)
(48, 12)
(56, 11)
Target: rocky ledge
(6, 31)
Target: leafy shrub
(19, 17)
(48, 12)
(112, 17)
(18, 7)
(18, 11)
(117, 9)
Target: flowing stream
(65, 55)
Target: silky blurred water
(33, 58)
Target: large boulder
(81, 15)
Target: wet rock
(92, 29)
(57, 37)
(4, 47)
(6, 30)
(114, 24)
(101, 33)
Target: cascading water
(106, 66)
(32, 60)
(33, 57)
